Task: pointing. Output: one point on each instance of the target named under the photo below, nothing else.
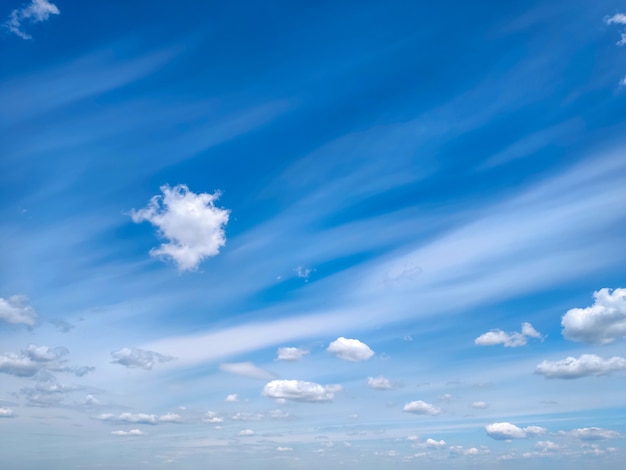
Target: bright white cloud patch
(379, 383)
(20, 366)
(433, 444)
(298, 390)
(291, 354)
(586, 365)
(509, 340)
(232, 398)
(36, 11)
(139, 358)
(192, 224)
(591, 434)
(246, 369)
(506, 431)
(15, 310)
(132, 432)
(6, 412)
(602, 323)
(212, 417)
(421, 408)
(618, 18)
(350, 349)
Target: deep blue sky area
(352, 234)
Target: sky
(301, 235)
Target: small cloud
(247, 416)
(586, 365)
(15, 310)
(547, 446)
(132, 432)
(212, 417)
(421, 408)
(138, 358)
(62, 325)
(298, 390)
(433, 444)
(302, 272)
(246, 369)
(192, 224)
(232, 398)
(350, 349)
(379, 383)
(618, 18)
(20, 366)
(480, 405)
(291, 354)
(506, 431)
(246, 433)
(37, 11)
(591, 434)
(171, 418)
(283, 449)
(137, 418)
(602, 323)
(509, 340)
(90, 400)
(6, 412)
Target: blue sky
(303, 234)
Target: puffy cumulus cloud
(6, 412)
(132, 432)
(509, 340)
(21, 366)
(506, 431)
(138, 358)
(480, 405)
(246, 369)
(619, 19)
(591, 434)
(547, 446)
(421, 408)
(232, 398)
(350, 349)
(291, 354)
(212, 417)
(298, 390)
(246, 433)
(36, 11)
(379, 383)
(586, 365)
(192, 224)
(602, 323)
(15, 310)
(171, 418)
(44, 353)
(433, 444)
(35, 359)
(241, 416)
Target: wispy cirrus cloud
(37, 11)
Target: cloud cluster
(35, 359)
(509, 340)
(138, 358)
(591, 434)
(36, 11)
(192, 224)
(298, 390)
(506, 431)
(350, 349)
(15, 310)
(602, 323)
(421, 408)
(586, 365)
(291, 354)
(246, 369)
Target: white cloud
(20, 366)
(379, 383)
(212, 417)
(171, 418)
(232, 398)
(433, 444)
(586, 365)
(190, 222)
(132, 432)
(547, 446)
(44, 353)
(284, 449)
(591, 434)
(618, 18)
(15, 310)
(302, 272)
(298, 390)
(602, 323)
(246, 369)
(36, 11)
(139, 358)
(6, 412)
(291, 354)
(90, 400)
(350, 349)
(140, 418)
(506, 431)
(480, 405)
(246, 432)
(421, 408)
(278, 414)
(510, 340)
(240, 416)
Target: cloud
(36, 11)
(618, 18)
(139, 358)
(421, 408)
(602, 323)
(291, 354)
(171, 418)
(591, 434)
(20, 366)
(246, 432)
(298, 390)
(379, 383)
(480, 405)
(132, 432)
(509, 340)
(246, 369)
(6, 412)
(302, 272)
(247, 416)
(433, 444)
(231, 398)
(140, 418)
(90, 400)
(62, 325)
(506, 431)
(586, 365)
(15, 310)
(212, 417)
(44, 353)
(190, 222)
(547, 446)
(284, 449)
(350, 349)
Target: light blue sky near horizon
(405, 174)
